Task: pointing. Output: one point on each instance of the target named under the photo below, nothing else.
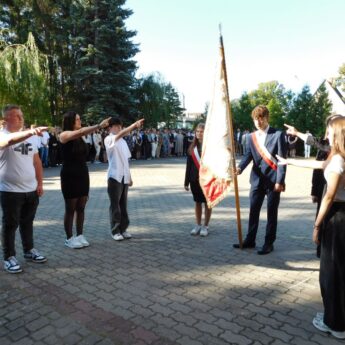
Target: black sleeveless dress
(74, 174)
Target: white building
(187, 120)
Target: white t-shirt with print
(337, 165)
(118, 155)
(17, 172)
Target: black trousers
(257, 196)
(118, 214)
(332, 267)
(18, 209)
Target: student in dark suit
(266, 179)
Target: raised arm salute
(75, 182)
(119, 177)
(78, 132)
(330, 221)
(21, 185)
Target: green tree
(276, 98)
(158, 101)
(241, 111)
(23, 73)
(321, 107)
(104, 75)
(51, 24)
(341, 78)
(90, 52)
(309, 111)
(173, 105)
(301, 109)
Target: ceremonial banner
(216, 159)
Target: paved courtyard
(165, 286)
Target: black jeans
(118, 214)
(18, 209)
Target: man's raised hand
(38, 131)
(291, 130)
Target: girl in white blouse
(332, 218)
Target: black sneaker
(11, 265)
(34, 256)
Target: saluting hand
(38, 131)
(105, 123)
(139, 123)
(291, 130)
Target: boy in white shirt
(119, 177)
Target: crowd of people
(21, 185)
(143, 144)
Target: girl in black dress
(192, 179)
(74, 175)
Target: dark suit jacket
(262, 173)
(192, 172)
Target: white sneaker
(11, 265)
(73, 243)
(196, 230)
(319, 324)
(82, 240)
(34, 256)
(126, 235)
(118, 237)
(204, 231)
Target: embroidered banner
(215, 172)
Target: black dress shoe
(266, 249)
(245, 245)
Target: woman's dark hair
(69, 121)
(78, 145)
(195, 141)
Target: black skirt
(75, 181)
(332, 267)
(198, 195)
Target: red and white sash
(196, 157)
(262, 150)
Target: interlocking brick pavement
(165, 286)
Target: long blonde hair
(338, 142)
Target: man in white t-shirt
(119, 177)
(21, 176)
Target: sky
(296, 42)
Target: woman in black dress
(74, 175)
(192, 180)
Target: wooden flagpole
(232, 141)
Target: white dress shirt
(261, 135)
(118, 155)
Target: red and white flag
(215, 165)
